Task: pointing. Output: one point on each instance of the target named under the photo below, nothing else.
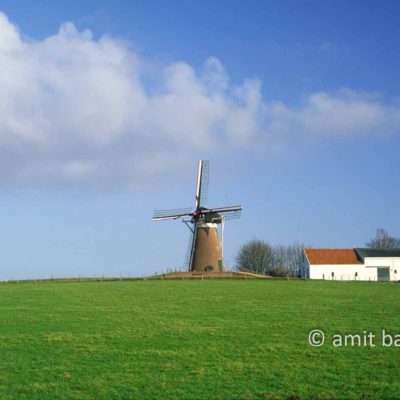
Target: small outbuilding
(362, 264)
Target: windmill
(204, 252)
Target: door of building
(384, 274)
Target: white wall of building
(392, 262)
(347, 272)
(343, 272)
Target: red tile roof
(332, 256)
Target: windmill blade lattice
(205, 181)
(221, 209)
(190, 247)
(231, 215)
(174, 213)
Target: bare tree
(288, 258)
(279, 261)
(255, 256)
(383, 241)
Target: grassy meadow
(193, 339)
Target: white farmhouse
(352, 264)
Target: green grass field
(211, 339)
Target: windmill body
(205, 251)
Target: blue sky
(107, 106)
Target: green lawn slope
(194, 339)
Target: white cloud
(78, 109)
(347, 113)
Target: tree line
(259, 257)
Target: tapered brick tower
(207, 249)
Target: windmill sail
(222, 209)
(226, 213)
(190, 248)
(171, 214)
(202, 184)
